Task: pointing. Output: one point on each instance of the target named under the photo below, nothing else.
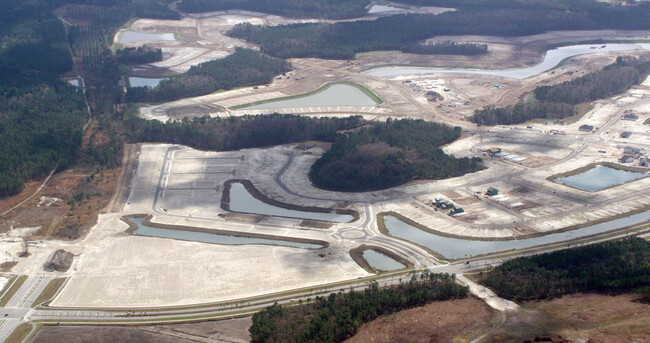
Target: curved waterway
(207, 237)
(551, 59)
(454, 248)
(134, 36)
(333, 95)
(242, 201)
(380, 261)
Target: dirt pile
(60, 261)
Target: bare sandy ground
(119, 270)
(443, 321)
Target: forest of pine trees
(609, 268)
(339, 315)
(389, 154)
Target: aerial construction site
(188, 234)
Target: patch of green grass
(595, 41)
(530, 98)
(380, 52)
(20, 333)
(12, 287)
(177, 36)
(129, 23)
(49, 291)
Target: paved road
(18, 308)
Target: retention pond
(454, 248)
(135, 81)
(599, 177)
(242, 201)
(551, 59)
(134, 36)
(380, 261)
(337, 94)
(383, 8)
(216, 238)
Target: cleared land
(444, 321)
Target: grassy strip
(12, 289)
(7, 285)
(307, 291)
(379, 52)
(20, 333)
(393, 65)
(594, 41)
(49, 291)
(364, 89)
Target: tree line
(557, 101)
(138, 55)
(609, 268)
(343, 40)
(389, 154)
(245, 67)
(327, 9)
(233, 133)
(446, 48)
(338, 316)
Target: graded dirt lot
(102, 334)
(118, 270)
(223, 331)
(579, 318)
(443, 321)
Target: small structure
(447, 205)
(626, 134)
(631, 117)
(444, 204)
(628, 150)
(626, 159)
(494, 151)
(492, 191)
(586, 128)
(456, 211)
(643, 162)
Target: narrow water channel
(207, 237)
(454, 248)
(551, 59)
(242, 201)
